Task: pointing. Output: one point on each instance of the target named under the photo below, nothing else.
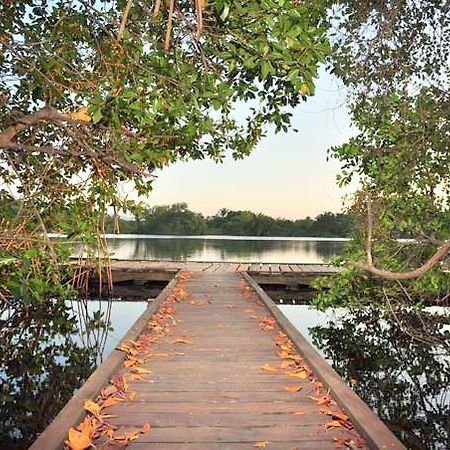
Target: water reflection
(41, 365)
(48, 351)
(400, 367)
(236, 250)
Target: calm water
(224, 248)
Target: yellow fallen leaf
(87, 427)
(93, 408)
(269, 368)
(136, 377)
(333, 424)
(261, 444)
(303, 374)
(78, 440)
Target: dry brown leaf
(261, 444)
(78, 440)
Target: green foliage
(177, 219)
(397, 73)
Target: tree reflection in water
(399, 365)
(42, 363)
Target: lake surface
(223, 248)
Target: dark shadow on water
(400, 368)
(41, 366)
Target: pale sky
(287, 175)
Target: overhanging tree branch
(369, 266)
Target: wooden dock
(213, 364)
(263, 273)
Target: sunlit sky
(287, 175)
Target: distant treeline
(177, 219)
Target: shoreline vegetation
(178, 220)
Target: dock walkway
(219, 367)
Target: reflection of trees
(223, 249)
(403, 378)
(41, 366)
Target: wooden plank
(275, 268)
(255, 267)
(265, 267)
(376, 433)
(285, 268)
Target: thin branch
(169, 26)
(123, 22)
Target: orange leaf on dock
(261, 444)
(269, 368)
(146, 427)
(292, 388)
(93, 408)
(181, 341)
(78, 440)
(333, 424)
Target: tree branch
(123, 22)
(440, 253)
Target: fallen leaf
(269, 368)
(132, 395)
(78, 440)
(136, 377)
(88, 426)
(93, 408)
(140, 370)
(111, 389)
(146, 427)
(129, 362)
(298, 413)
(333, 424)
(261, 444)
(181, 341)
(292, 388)
(303, 374)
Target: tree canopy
(178, 219)
(394, 58)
